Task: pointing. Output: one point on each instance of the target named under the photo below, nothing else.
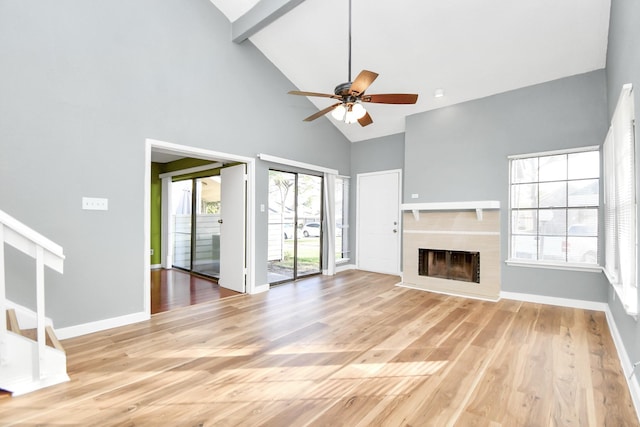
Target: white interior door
(232, 228)
(378, 225)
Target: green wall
(156, 213)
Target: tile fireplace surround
(459, 226)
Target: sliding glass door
(309, 237)
(295, 231)
(206, 244)
(282, 226)
(196, 211)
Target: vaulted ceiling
(468, 48)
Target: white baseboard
(29, 386)
(156, 266)
(562, 302)
(345, 267)
(627, 365)
(340, 268)
(260, 288)
(100, 325)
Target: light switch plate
(95, 204)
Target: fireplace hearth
(448, 264)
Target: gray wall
(623, 66)
(83, 84)
(373, 155)
(460, 153)
(377, 154)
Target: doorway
(378, 226)
(242, 177)
(295, 226)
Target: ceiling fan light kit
(358, 110)
(351, 96)
(339, 112)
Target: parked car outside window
(311, 229)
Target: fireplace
(442, 244)
(452, 265)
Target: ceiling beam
(259, 16)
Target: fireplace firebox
(447, 264)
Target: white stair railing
(46, 253)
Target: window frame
(557, 265)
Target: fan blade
(323, 95)
(362, 82)
(321, 112)
(365, 120)
(391, 98)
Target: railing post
(37, 372)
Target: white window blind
(620, 202)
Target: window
(342, 219)
(554, 200)
(620, 202)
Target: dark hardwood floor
(176, 288)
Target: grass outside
(308, 256)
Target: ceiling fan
(352, 94)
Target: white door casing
(232, 227)
(378, 234)
(198, 153)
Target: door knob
(395, 231)
(220, 221)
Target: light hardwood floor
(348, 350)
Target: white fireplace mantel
(478, 206)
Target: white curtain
(620, 202)
(330, 222)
